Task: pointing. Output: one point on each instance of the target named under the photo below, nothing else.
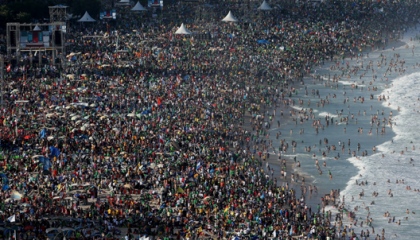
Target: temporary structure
(264, 6)
(183, 30)
(230, 18)
(123, 3)
(86, 18)
(138, 7)
(36, 29)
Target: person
(160, 127)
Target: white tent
(230, 18)
(183, 30)
(123, 2)
(264, 6)
(138, 7)
(86, 18)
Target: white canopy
(138, 7)
(86, 18)
(264, 6)
(183, 30)
(230, 18)
(123, 2)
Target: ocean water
(392, 169)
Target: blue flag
(54, 152)
(5, 180)
(46, 162)
(43, 133)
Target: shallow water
(402, 91)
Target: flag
(226, 209)
(4, 178)
(9, 68)
(54, 152)
(12, 218)
(43, 133)
(46, 162)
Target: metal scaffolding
(58, 13)
(16, 45)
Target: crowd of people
(151, 133)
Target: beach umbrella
(206, 198)
(262, 41)
(81, 103)
(16, 195)
(180, 190)
(71, 55)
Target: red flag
(9, 68)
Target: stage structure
(39, 38)
(36, 38)
(58, 13)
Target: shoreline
(309, 77)
(382, 149)
(315, 199)
(185, 138)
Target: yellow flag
(226, 209)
